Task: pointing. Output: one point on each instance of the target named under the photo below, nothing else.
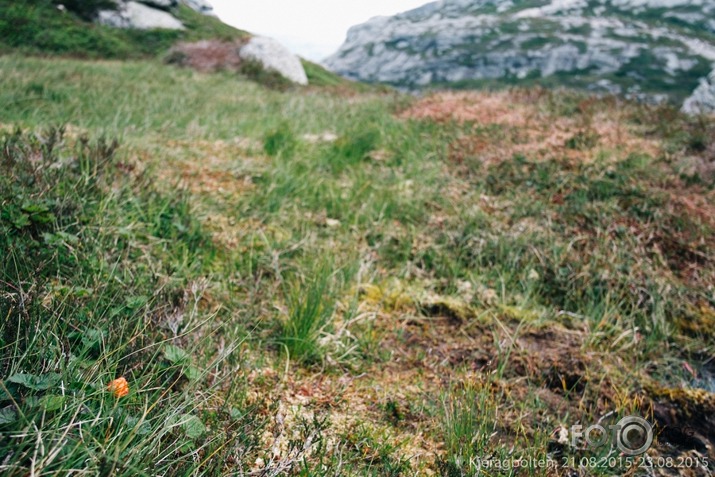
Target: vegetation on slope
(99, 274)
(300, 284)
(38, 27)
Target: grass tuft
(280, 142)
(310, 308)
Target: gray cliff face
(702, 101)
(646, 48)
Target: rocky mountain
(703, 98)
(645, 48)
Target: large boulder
(275, 57)
(140, 16)
(702, 100)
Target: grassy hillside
(303, 283)
(38, 27)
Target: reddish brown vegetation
(510, 123)
(207, 55)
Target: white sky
(313, 29)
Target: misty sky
(311, 28)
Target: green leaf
(8, 415)
(52, 402)
(68, 238)
(176, 355)
(141, 429)
(192, 372)
(60, 238)
(136, 302)
(193, 427)
(82, 363)
(34, 208)
(4, 395)
(80, 292)
(36, 383)
(31, 402)
(39, 213)
(20, 221)
(92, 337)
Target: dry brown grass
(429, 353)
(482, 108)
(212, 172)
(207, 55)
(526, 127)
(213, 168)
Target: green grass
(319, 76)
(310, 308)
(37, 27)
(378, 304)
(469, 421)
(99, 280)
(324, 79)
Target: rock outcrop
(702, 100)
(644, 48)
(148, 14)
(207, 55)
(140, 16)
(276, 57)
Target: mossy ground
(318, 283)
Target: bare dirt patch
(208, 167)
(213, 172)
(685, 419)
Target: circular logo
(635, 435)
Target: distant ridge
(652, 49)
